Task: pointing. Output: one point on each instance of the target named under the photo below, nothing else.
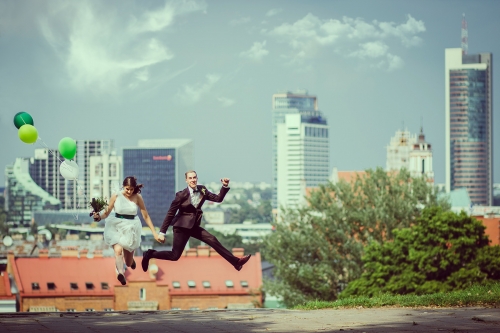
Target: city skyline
(206, 71)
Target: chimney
(69, 252)
(203, 251)
(191, 252)
(10, 262)
(43, 253)
(238, 251)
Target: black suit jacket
(183, 214)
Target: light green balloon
(28, 133)
(67, 148)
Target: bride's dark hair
(132, 181)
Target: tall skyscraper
(300, 147)
(159, 165)
(469, 124)
(284, 103)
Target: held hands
(224, 181)
(97, 217)
(160, 238)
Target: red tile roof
(62, 272)
(215, 270)
(66, 270)
(350, 176)
(5, 292)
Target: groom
(184, 215)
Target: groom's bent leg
(211, 240)
(181, 237)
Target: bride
(123, 230)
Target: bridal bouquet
(97, 205)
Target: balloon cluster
(26, 131)
(67, 146)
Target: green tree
(444, 251)
(318, 248)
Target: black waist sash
(124, 216)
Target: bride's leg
(119, 258)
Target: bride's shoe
(121, 278)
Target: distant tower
(398, 150)
(465, 36)
(421, 159)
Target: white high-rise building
(85, 149)
(105, 175)
(302, 156)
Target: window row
(72, 285)
(206, 284)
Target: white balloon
(69, 170)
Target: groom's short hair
(190, 171)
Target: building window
(212, 308)
(175, 308)
(206, 284)
(176, 284)
(104, 286)
(89, 310)
(108, 309)
(229, 284)
(142, 294)
(89, 285)
(51, 286)
(191, 284)
(244, 284)
(71, 310)
(73, 286)
(194, 308)
(35, 286)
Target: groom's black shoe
(241, 262)
(145, 259)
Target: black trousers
(181, 237)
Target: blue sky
(206, 70)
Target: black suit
(186, 219)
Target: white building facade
(105, 175)
(302, 156)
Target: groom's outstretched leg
(181, 237)
(211, 240)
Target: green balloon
(23, 118)
(67, 148)
(28, 133)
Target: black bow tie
(196, 190)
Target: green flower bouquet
(97, 204)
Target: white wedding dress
(124, 232)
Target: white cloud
(191, 94)
(102, 51)
(240, 21)
(350, 37)
(225, 101)
(274, 11)
(256, 52)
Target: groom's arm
(174, 207)
(217, 197)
